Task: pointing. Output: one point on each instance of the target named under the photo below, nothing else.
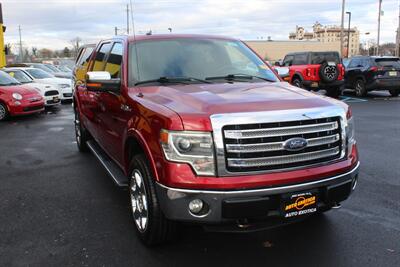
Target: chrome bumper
(174, 202)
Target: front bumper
(231, 206)
(52, 100)
(25, 107)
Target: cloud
(53, 23)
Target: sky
(54, 23)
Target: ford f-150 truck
(201, 130)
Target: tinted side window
(114, 61)
(85, 56)
(300, 59)
(355, 63)
(100, 57)
(288, 60)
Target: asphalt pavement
(59, 208)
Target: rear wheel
(81, 134)
(297, 82)
(3, 112)
(152, 226)
(394, 92)
(360, 88)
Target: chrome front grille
(260, 146)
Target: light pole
(379, 27)
(348, 34)
(341, 28)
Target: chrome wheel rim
(358, 88)
(139, 201)
(77, 128)
(2, 112)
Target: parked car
(49, 92)
(202, 131)
(58, 73)
(368, 73)
(316, 70)
(63, 85)
(17, 99)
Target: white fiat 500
(48, 91)
(39, 76)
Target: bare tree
(76, 43)
(34, 51)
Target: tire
(81, 134)
(359, 88)
(151, 225)
(333, 92)
(394, 92)
(297, 82)
(3, 112)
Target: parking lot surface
(58, 206)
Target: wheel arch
(297, 75)
(135, 144)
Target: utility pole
(127, 19)
(348, 35)
(21, 55)
(342, 28)
(379, 27)
(398, 37)
(115, 30)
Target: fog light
(17, 103)
(196, 205)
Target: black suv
(368, 73)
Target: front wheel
(152, 226)
(3, 112)
(394, 92)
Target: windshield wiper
(183, 80)
(235, 77)
(11, 84)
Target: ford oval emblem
(295, 144)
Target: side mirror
(283, 72)
(102, 81)
(277, 64)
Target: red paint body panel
(189, 107)
(30, 99)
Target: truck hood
(195, 103)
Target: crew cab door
(90, 104)
(115, 111)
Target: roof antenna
(134, 40)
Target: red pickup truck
(201, 130)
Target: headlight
(37, 89)
(17, 96)
(64, 86)
(350, 132)
(194, 148)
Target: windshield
(321, 57)
(64, 68)
(388, 62)
(43, 67)
(196, 58)
(39, 74)
(53, 68)
(19, 75)
(6, 79)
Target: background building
(330, 34)
(276, 50)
